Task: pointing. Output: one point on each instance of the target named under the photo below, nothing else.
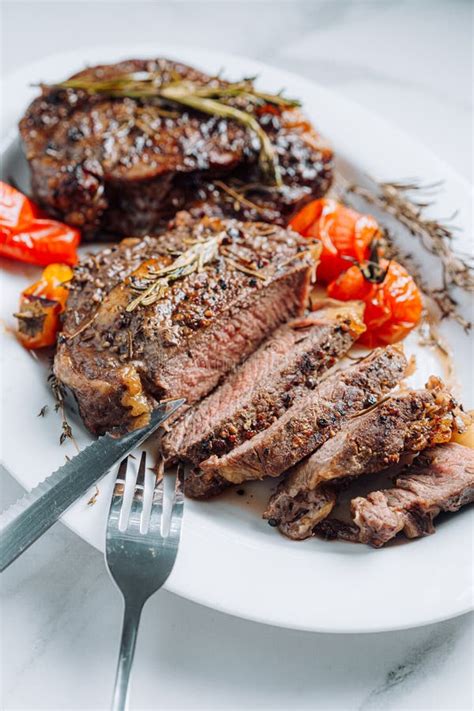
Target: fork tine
(178, 498)
(178, 505)
(140, 481)
(136, 508)
(121, 476)
(156, 514)
(117, 496)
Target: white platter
(229, 558)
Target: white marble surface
(411, 62)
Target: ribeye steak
(119, 361)
(122, 167)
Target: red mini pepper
(41, 305)
(28, 236)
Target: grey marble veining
(409, 61)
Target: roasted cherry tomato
(27, 236)
(392, 307)
(345, 234)
(41, 305)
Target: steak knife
(32, 515)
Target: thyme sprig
(239, 201)
(406, 201)
(154, 285)
(397, 198)
(213, 98)
(59, 394)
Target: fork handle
(131, 620)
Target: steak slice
(441, 479)
(310, 422)
(404, 423)
(119, 362)
(278, 375)
(285, 367)
(120, 166)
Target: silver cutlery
(27, 519)
(140, 553)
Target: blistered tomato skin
(392, 308)
(345, 235)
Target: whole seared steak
(405, 423)
(275, 377)
(123, 166)
(120, 353)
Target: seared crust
(309, 423)
(441, 479)
(119, 167)
(119, 363)
(405, 423)
(285, 368)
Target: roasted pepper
(41, 305)
(28, 236)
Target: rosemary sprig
(213, 98)
(268, 160)
(154, 284)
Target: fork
(139, 557)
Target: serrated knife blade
(32, 515)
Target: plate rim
(146, 49)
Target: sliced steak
(285, 366)
(441, 479)
(404, 423)
(121, 166)
(119, 362)
(278, 375)
(310, 422)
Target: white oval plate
(229, 558)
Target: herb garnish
(154, 285)
(93, 498)
(396, 198)
(59, 393)
(214, 98)
(239, 201)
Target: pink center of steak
(198, 328)
(309, 423)
(403, 424)
(276, 376)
